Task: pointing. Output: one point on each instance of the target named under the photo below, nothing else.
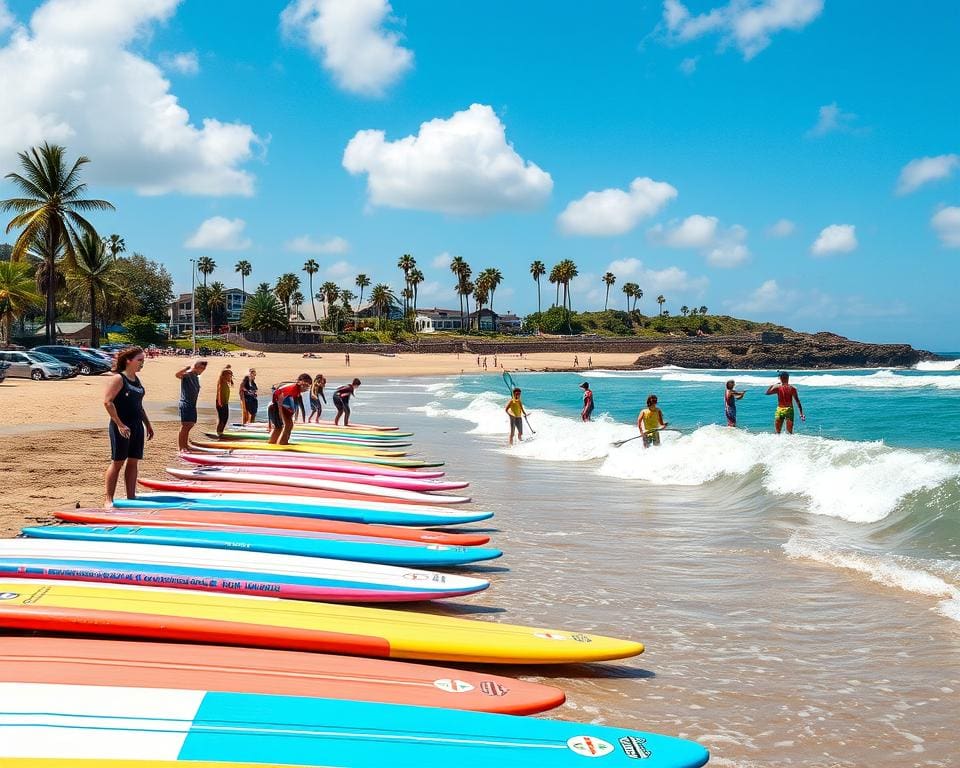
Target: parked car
(112, 347)
(3, 371)
(85, 363)
(35, 365)
(103, 354)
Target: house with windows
(436, 319)
(180, 311)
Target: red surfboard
(77, 661)
(184, 518)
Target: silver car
(36, 366)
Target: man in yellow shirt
(516, 412)
(650, 422)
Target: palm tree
(205, 266)
(297, 300)
(382, 299)
(287, 284)
(406, 263)
(467, 287)
(609, 279)
(216, 302)
(17, 294)
(684, 310)
(262, 312)
(115, 245)
(637, 295)
(566, 271)
(462, 271)
(346, 297)
(628, 292)
(90, 271)
(703, 310)
(554, 278)
(481, 290)
(329, 292)
(244, 268)
(361, 282)
(264, 288)
(49, 210)
(538, 270)
(415, 279)
(493, 278)
(661, 301)
(311, 268)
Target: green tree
(361, 282)
(462, 272)
(18, 294)
(660, 301)
(684, 310)
(415, 280)
(90, 271)
(538, 270)
(49, 210)
(346, 298)
(406, 263)
(245, 269)
(382, 299)
(115, 245)
(217, 305)
(206, 266)
(609, 279)
(703, 310)
(287, 284)
(263, 312)
(201, 300)
(481, 292)
(311, 267)
(492, 277)
(297, 300)
(329, 292)
(146, 288)
(141, 330)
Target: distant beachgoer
(516, 412)
(590, 362)
(189, 392)
(478, 361)
(224, 383)
(494, 361)
(587, 401)
(484, 363)
(786, 394)
(316, 395)
(248, 396)
(282, 407)
(576, 361)
(346, 359)
(730, 397)
(341, 399)
(650, 422)
(129, 424)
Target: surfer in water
(730, 397)
(650, 422)
(516, 412)
(587, 401)
(283, 406)
(341, 400)
(786, 394)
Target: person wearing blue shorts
(189, 392)
(282, 407)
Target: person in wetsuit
(341, 399)
(248, 396)
(129, 424)
(786, 394)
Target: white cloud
(747, 24)
(462, 165)
(769, 296)
(837, 238)
(429, 289)
(721, 247)
(442, 261)
(614, 211)
(6, 18)
(770, 300)
(923, 170)
(306, 244)
(349, 38)
(185, 63)
(689, 65)
(946, 222)
(730, 248)
(656, 281)
(220, 234)
(340, 269)
(832, 119)
(781, 228)
(90, 91)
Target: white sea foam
(881, 379)
(856, 481)
(893, 571)
(938, 365)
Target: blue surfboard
(415, 515)
(335, 546)
(38, 720)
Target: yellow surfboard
(171, 614)
(322, 448)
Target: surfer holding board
(650, 422)
(516, 412)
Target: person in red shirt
(282, 407)
(587, 402)
(786, 394)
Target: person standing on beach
(341, 399)
(189, 392)
(283, 406)
(316, 395)
(650, 422)
(730, 397)
(587, 402)
(516, 412)
(248, 396)
(786, 394)
(346, 359)
(576, 361)
(129, 424)
(224, 384)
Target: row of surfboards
(234, 590)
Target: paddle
(511, 385)
(618, 443)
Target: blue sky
(787, 160)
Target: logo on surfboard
(589, 746)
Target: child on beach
(316, 395)
(189, 392)
(650, 422)
(516, 412)
(283, 406)
(730, 397)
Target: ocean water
(799, 595)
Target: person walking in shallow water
(129, 423)
(730, 397)
(650, 422)
(516, 412)
(587, 402)
(786, 394)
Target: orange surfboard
(250, 670)
(186, 518)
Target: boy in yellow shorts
(650, 422)
(516, 412)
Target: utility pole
(193, 304)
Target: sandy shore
(78, 402)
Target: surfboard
(227, 571)
(359, 436)
(304, 461)
(248, 490)
(170, 614)
(80, 762)
(111, 722)
(251, 449)
(333, 509)
(79, 661)
(361, 549)
(234, 440)
(183, 518)
(297, 436)
(329, 426)
(273, 477)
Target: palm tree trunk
(51, 287)
(313, 301)
(94, 336)
(606, 299)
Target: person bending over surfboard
(341, 400)
(786, 394)
(282, 407)
(516, 412)
(189, 392)
(650, 422)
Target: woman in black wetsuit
(341, 399)
(129, 424)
